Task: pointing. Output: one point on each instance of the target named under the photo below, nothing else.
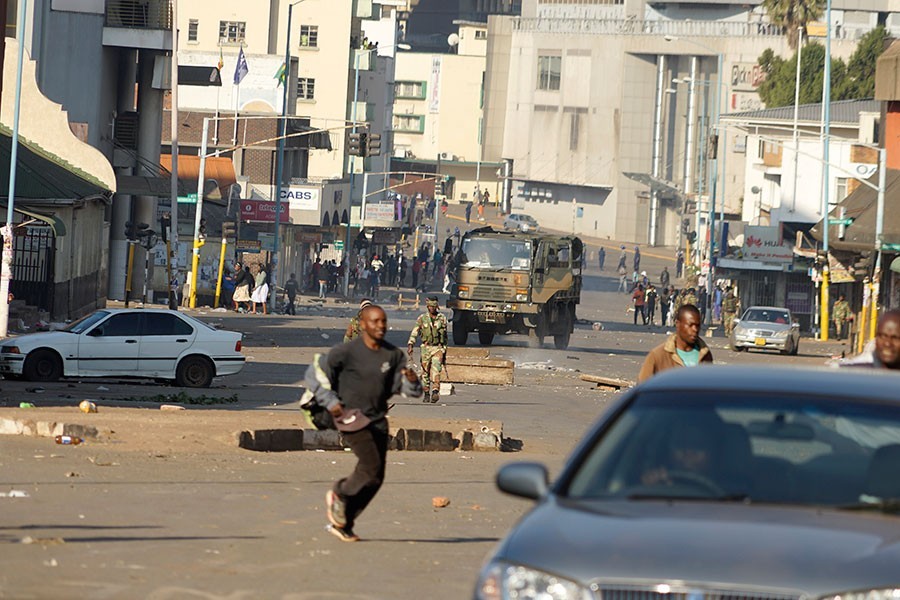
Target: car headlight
(738, 330)
(462, 291)
(501, 580)
(884, 594)
(781, 334)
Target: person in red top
(637, 298)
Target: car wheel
(737, 348)
(194, 372)
(43, 365)
(485, 338)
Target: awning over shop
(861, 206)
(56, 224)
(217, 168)
(42, 174)
(667, 188)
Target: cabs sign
(301, 197)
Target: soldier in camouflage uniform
(729, 310)
(353, 328)
(840, 313)
(432, 327)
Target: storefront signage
(301, 198)
(765, 244)
(262, 211)
(384, 211)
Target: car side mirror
(524, 479)
(95, 332)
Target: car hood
(810, 550)
(46, 338)
(764, 325)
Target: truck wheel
(561, 340)
(485, 337)
(536, 337)
(460, 334)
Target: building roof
(861, 206)
(843, 111)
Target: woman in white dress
(260, 293)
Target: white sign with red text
(765, 244)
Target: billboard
(765, 244)
(262, 211)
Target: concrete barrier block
(275, 440)
(46, 429)
(398, 440)
(10, 427)
(29, 427)
(415, 439)
(447, 389)
(326, 439)
(82, 431)
(438, 441)
(466, 440)
(486, 441)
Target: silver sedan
(766, 328)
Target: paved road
(107, 521)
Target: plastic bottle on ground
(68, 440)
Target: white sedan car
(520, 222)
(147, 343)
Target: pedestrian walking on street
(364, 373)
(664, 278)
(637, 258)
(637, 299)
(623, 279)
(432, 328)
(290, 288)
(679, 263)
(664, 303)
(468, 212)
(840, 313)
(353, 328)
(684, 348)
(622, 259)
(260, 293)
(729, 310)
(243, 283)
(601, 256)
(650, 297)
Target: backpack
(318, 389)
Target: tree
(854, 80)
(792, 14)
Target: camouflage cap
(432, 301)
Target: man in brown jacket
(683, 349)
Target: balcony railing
(139, 14)
(651, 27)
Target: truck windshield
(496, 253)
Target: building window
(232, 32)
(409, 89)
(549, 69)
(841, 190)
(574, 126)
(409, 123)
(306, 88)
(193, 29)
(480, 34)
(309, 36)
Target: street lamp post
(358, 52)
(279, 158)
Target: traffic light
(685, 225)
(130, 231)
(202, 229)
(373, 145)
(692, 236)
(165, 221)
(227, 229)
(713, 146)
(353, 147)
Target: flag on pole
(240, 69)
(281, 75)
(221, 59)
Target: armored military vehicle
(515, 283)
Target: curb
(46, 428)
(413, 440)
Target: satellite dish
(453, 40)
(209, 186)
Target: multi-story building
(605, 107)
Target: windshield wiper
(724, 498)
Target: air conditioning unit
(445, 156)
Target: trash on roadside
(26, 405)
(440, 502)
(86, 406)
(171, 407)
(14, 494)
(68, 440)
(35, 390)
(325, 336)
(597, 326)
(102, 388)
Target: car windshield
(528, 219)
(86, 322)
(780, 448)
(197, 322)
(497, 253)
(762, 315)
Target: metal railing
(650, 27)
(139, 14)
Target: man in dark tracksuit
(364, 374)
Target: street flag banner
(221, 60)
(281, 75)
(241, 69)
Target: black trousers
(369, 445)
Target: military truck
(515, 283)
